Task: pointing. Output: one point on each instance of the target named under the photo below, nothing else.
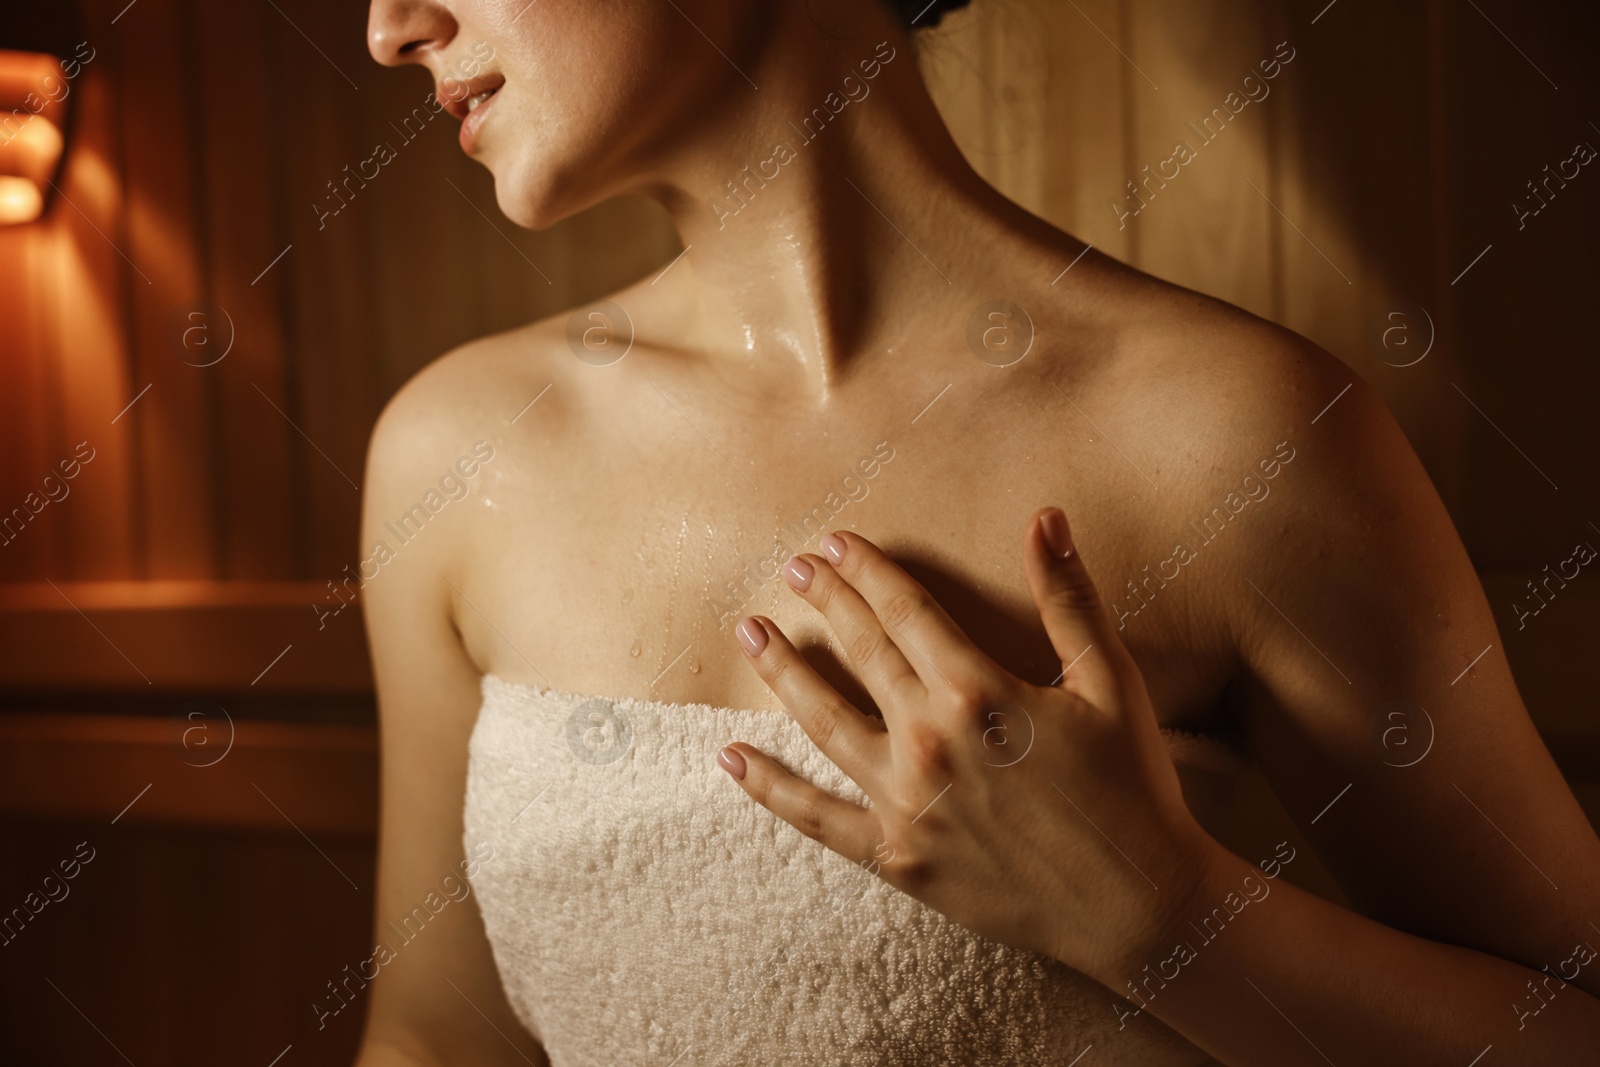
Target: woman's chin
(514, 202)
(531, 217)
(530, 200)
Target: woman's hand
(1047, 818)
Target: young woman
(731, 791)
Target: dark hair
(920, 14)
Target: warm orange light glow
(20, 200)
(33, 96)
(39, 138)
(32, 152)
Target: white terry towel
(644, 911)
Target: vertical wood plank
(27, 516)
(1362, 171)
(1523, 308)
(237, 104)
(1445, 456)
(1035, 97)
(174, 420)
(1206, 228)
(328, 270)
(89, 307)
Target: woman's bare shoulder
(473, 387)
(1195, 392)
(538, 381)
(1219, 366)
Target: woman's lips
(474, 119)
(458, 95)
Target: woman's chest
(624, 572)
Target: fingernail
(833, 547)
(752, 635)
(1057, 534)
(797, 572)
(732, 762)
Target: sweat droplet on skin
(638, 647)
(677, 572)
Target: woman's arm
(1422, 783)
(1293, 979)
(436, 997)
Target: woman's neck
(818, 206)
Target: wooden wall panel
(1323, 253)
(1207, 228)
(1355, 62)
(25, 396)
(172, 770)
(1523, 308)
(181, 949)
(995, 108)
(90, 639)
(1038, 101)
(90, 304)
(156, 94)
(238, 101)
(330, 265)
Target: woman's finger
(856, 743)
(846, 828)
(877, 659)
(931, 641)
(1075, 617)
